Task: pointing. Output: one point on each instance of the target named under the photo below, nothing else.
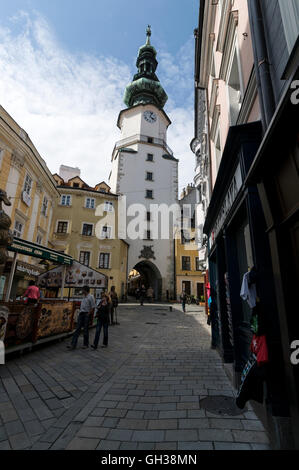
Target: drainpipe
(261, 62)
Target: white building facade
(145, 171)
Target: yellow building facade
(189, 274)
(85, 226)
(33, 193)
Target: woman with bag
(102, 321)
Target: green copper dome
(145, 87)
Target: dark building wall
(278, 53)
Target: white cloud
(69, 104)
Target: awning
(32, 249)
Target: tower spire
(145, 87)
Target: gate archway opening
(145, 272)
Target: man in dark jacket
(103, 321)
(142, 294)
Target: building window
(150, 140)
(234, 90)
(87, 230)
(186, 265)
(150, 157)
(76, 185)
(148, 216)
(290, 18)
(106, 232)
(218, 153)
(62, 227)
(108, 206)
(84, 257)
(197, 264)
(90, 203)
(45, 206)
(18, 230)
(149, 176)
(104, 260)
(65, 200)
(28, 185)
(39, 239)
(148, 235)
(149, 194)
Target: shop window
(108, 206)
(186, 286)
(104, 260)
(150, 157)
(87, 230)
(290, 19)
(234, 90)
(18, 229)
(28, 184)
(65, 200)
(149, 176)
(84, 258)
(106, 232)
(149, 194)
(186, 263)
(62, 227)
(45, 206)
(90, 203)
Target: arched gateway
(150, 276)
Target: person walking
(142, 294)
(86, 308)
(114, 304)
(183, 299)
(32, 293)
(103, 321)
(150, 294)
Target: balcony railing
(142, 138)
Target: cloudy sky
(64, 66)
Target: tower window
(149, 194)
(149, 176)
(150, 157)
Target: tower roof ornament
(145, 87)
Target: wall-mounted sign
(234, 188)
(30, 271)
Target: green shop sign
(31, 249)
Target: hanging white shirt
(248, 292)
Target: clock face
(150, 116)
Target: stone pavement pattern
(142, 392)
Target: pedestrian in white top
(87, 308)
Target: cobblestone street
(143, 392)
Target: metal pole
(11, 276)
(63, 281)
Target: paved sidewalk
(143, 392)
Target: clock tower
(146, 172)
